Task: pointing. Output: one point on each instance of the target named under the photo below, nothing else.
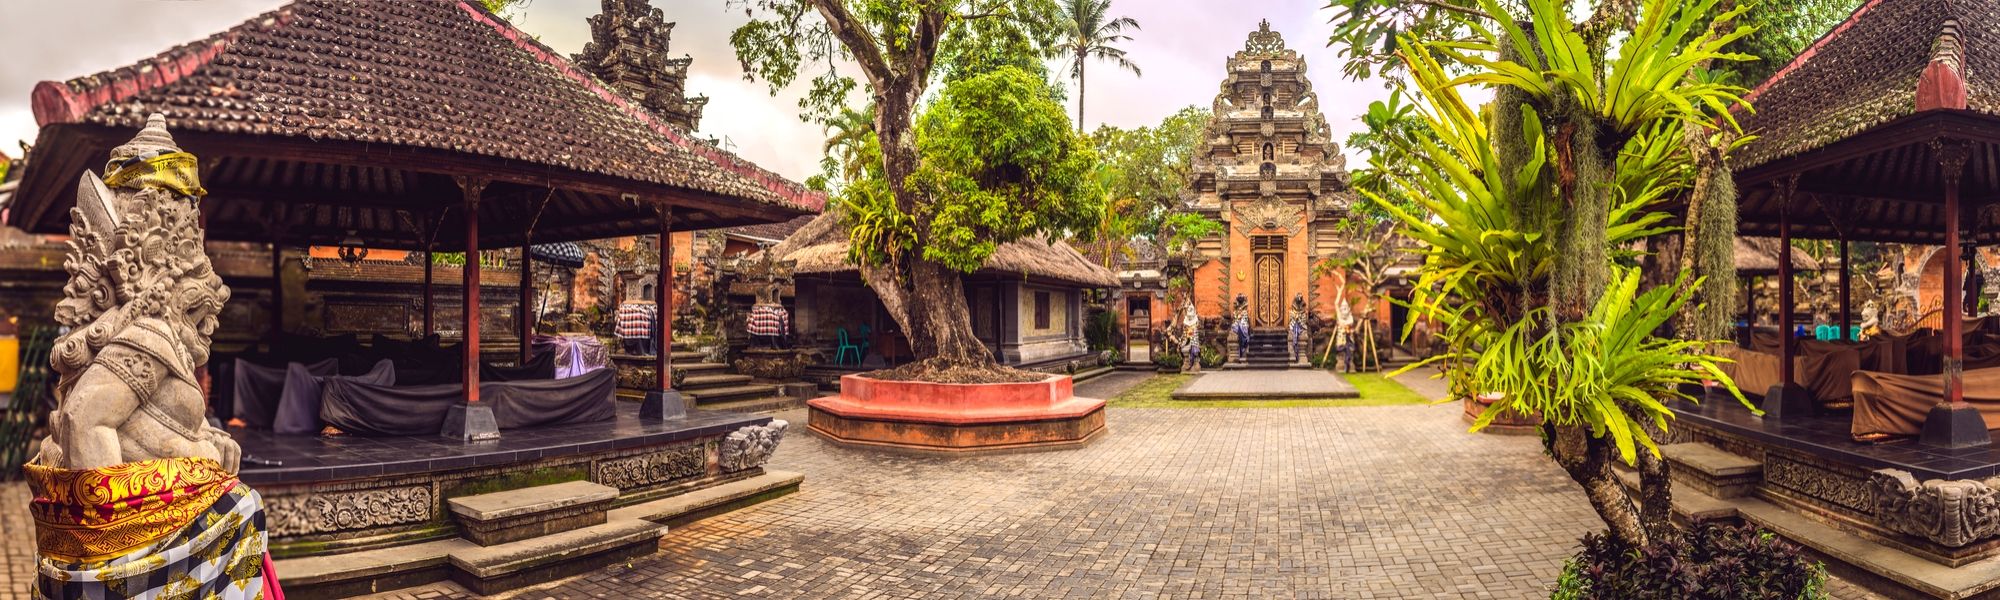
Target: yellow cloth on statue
(98, 514)
(176, 171)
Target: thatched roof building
(1759, 256)
(821, 247)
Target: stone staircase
(1266, 350)
(713, 386)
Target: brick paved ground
(1354, 502)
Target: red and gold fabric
(165, 529)
(97, 514)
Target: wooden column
(277, 290)
(430, 295)
(664, 301)
(1846, 311)
(1787, 399)
(527, 305)
(663, 402)
(469, 292)
(1785, 283)
(1953, 423)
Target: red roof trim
(1801, 59)
(56, 102)
(777, 184)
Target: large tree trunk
(926, 299)
(1587, 459)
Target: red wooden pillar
(664, 402)
(277, 290)
(430, 297)
(527, 305)
(1846, 311)
(1785, 283)
(1953, 423)
(469, 289)
(664, 291)
(471, 420)
(1786, 399)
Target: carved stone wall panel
(751, 446)
(681, 462)
(1819, 483)
(329, 512)
(1953, 513)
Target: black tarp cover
(258, 388)
(298, 407)
(378, 410)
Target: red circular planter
(957, 417)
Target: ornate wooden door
(1268, 305)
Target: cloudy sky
(1181, 48)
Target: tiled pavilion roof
(1858, 121)
(326, 116)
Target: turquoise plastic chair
(1826, 333)
(840, 352)
(1853, 333)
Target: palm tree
(1088, 33)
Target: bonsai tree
(992, 160)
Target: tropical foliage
(1528, 214)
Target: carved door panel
(1268, 307)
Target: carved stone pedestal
(471, 422)
(772, 363)
(957, 418)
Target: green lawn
(1376, 390)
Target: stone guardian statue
(135, 494)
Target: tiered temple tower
(628, 49)
(1269, 171)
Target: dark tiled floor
(1828, 436)
(315, 458)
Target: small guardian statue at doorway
(1241, 327)
(1190, 339)
(1297, 330)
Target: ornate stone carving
(654, 467)
(750, 446)
(140, 306)
(1264, 41)
(1952, 513)
(1269, 212)
(327, 512)
(628, 49)
(1818, 482)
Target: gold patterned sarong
(175, 171)
(165, 528)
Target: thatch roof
(821, 247)
(1759, 256)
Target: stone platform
(957, 418)
(535, 501)
(1293, 384)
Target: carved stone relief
(327, 512)
(1953, 513)
(1818, 482)
(654, 467)
(1268, 213)
(750, 446)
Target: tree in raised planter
(993, 159)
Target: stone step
(1712, 471)
(739, 392)
(703, 368)
(519, 514)
(707, 381)
(766, 404)
(494, 569)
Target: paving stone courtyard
(1349, 502)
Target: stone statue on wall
(1190, 341)
(1240, 325)
(135, 493)
(1296, 331)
